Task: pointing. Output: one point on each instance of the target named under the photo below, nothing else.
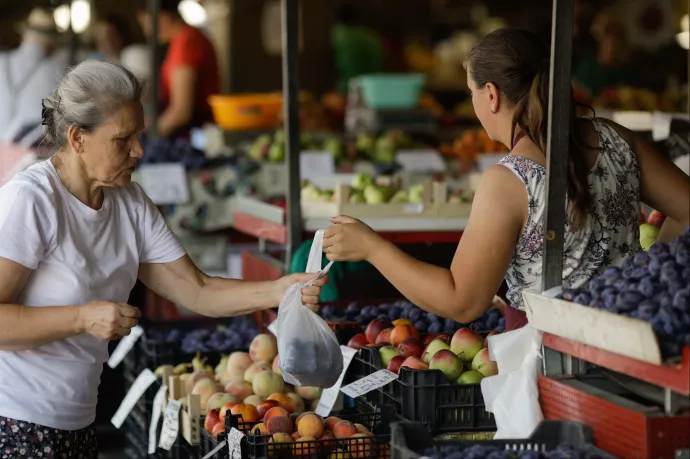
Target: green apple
(400, 197)
(361, 181)
(365, 143)
(374, 195)
(259, 149)
(276, 153)
(416, 193)
(357, 198)
(310, 193)
(334, 146)
(387, 353)
(469, 377)
(648, 235)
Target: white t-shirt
(78, 255)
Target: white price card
(318, 167)
(125, 345)
(369, 383)
(235, 444)
(273, 327)
(156, 417)
(413, 208)
(420, 161)
(211, 453)
(171, 425)
(143, 382)
(164, 183)
(330, 395)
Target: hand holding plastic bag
(309, 351)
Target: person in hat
(29, 73)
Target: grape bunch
(652, 286)
(425, 322)
(177, 151)
(236, 335)
(563, 451)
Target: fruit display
(472, 143)
(563, 451)
(651, 286)
(364, 190)
(649, 229)
(271, 148)
(382, 149)
(177, 151)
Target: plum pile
(652, 286)
(178, 151)
(563, 451)
(423, 321)
(235, 335)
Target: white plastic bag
(513, 395)
(309, 351)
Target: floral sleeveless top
(611, 233)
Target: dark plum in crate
(426, 396)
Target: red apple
(414, 363)
(212, 418)
(357, 341)
(656, 218)
(217, 429)
(384, 337)
(395, 363)
(410, 347)
(375, 327)
(432, 336)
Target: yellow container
(246, 111)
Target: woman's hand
(310, 295)
(349, 240)
(107, 320)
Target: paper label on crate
(235, 444)
(273, 327)
(369, 383)
(413, 208)
(211, 453)
(156, 416)
(420, 160)
(330, 396)
(164, 183)
(318, 167)
(125, 345)
(171, 425)
(143, 382)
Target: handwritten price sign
(369, 383)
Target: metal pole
(152, 106)
(560, 91)
(290, 25)
(73, 40)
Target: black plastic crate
(426, 396)
(410, 440)
(208, 443)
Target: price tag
(125, 345)
(330, 395)
(661, 126)
(413, 208)
(318, 167)
(235, 444)
(171, 425)
(164, 183)
(210, 454)
(369, 383)
(273, 327)
(143, 381)
(420, 161)
(156, 417)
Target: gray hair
(85, 98)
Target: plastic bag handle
(315, 253)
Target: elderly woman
(75, 234)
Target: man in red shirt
(189, 73)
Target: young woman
(611, 170)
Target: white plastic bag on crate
(513, 395)
(309, 351)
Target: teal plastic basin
(392, 91)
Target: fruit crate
(412, 440)
(425, 396)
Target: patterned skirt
(24, 440)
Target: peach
(267, 383)
(217, 429)
(238, 362)
(344, 429)
(295, 435)
(224, 410)
(395, 363)
(275, 411)
(299, 416)
(308, 393)
(466, 344)
(483, 364)
(357, 341)
(212, 418)
(219, 399)
(305, 446)
(361, 447)
(239, 388)
(263, 348)
(205, 390)
(310, 425)
(254, 369)
(264, 406)
(259, 429)
(414, 363)
(384, 337)
(397, 322)
(432, 348)
(401, 332)
(375, 327)
(248, 412)
(254, 400)
(362, 429)
(297, 403)
(196, 377)
(279, 424)
(331, 422)
(283, 400)
(410, 347)
(448, 363)
(328, 435)
(282, 447)
(339, 454)
(275, 367)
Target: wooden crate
(190, 413)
